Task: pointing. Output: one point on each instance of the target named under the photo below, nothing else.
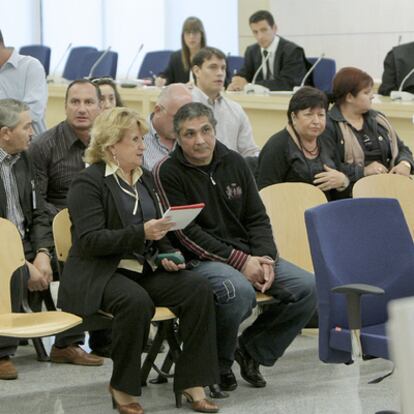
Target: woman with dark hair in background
(297, 153)
(110, 97)
(193, 38)
(364, 139)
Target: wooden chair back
(286, 204)
(61, 234)
(11, 258)
(23, 325)
(389, 186)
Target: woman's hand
(375, 168)
(156, 229)
(331, 179)
(402, 168)
(170, 266)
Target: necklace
(311, 151)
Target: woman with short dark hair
(297, 154)
(364, 139)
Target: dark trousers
(131, 298)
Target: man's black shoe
(249, 369)
(228, 381)
(217, 392)
(103, 351)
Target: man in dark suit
(273, 61)
(397, 64)
(20, 204)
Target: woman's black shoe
(228, 381)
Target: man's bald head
(170, 100)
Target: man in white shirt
(233, 127)
(273, 61)
(23, 78)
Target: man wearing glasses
(160, 139)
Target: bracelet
(45, 251)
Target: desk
(267, 113)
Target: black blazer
(175, 72)
(398, 62)
(37, 227)
(100, 238)
(289, 66)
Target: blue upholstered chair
(154, 63)
(40, 52)
(106, 68)
(73, 64)
(234, 64)
(324, 73)
(356, 243)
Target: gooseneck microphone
(97, 62)
(131, 83)
(53, 78)
(311, 69)
(400, 94)
(252, 87)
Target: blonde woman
(117, 234)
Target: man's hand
(160, 82)
(268, 278)
(42, 264)
(156, 229)
(331, 179)
(253, 269)
(39, 279)
(237, 84)
(402, 168)
(375, 168)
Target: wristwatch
(45, 251)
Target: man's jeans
(279, 323)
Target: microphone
(252, 87)
(307, 74)
(58, 79)
(132, 83)
(97, 62)
(400, 94)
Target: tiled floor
(298, 383)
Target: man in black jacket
(273, 61)
(19, 203)
(397, 64)
(231, 244)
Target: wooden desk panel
(266, 113)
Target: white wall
(219, 18)
(121, 24)
(353, 32)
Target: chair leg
(154, 350)
(42, 355)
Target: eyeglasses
(97, 81)
(166, 111)
(192, 32)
